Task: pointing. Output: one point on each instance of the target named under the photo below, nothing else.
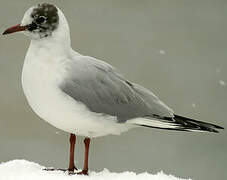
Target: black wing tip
(182, 129)
(211, 130)
(219, 127)
(204, 125)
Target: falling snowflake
(162, 52)
(222, 83)
(193, 105)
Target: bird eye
(40, 19)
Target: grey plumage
(103, 90)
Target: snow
(222, 83)
(193, 105)
(25, 170)
(162, 52)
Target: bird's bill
(14, 29)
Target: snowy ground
(25, 170)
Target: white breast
(40, 79)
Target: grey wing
(97, 85)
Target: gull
(82, 95)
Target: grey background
(129, 34)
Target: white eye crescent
(40, 19)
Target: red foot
(83, 172)
(72, 169)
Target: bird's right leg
(72, 149)
(72, 166)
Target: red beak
(14, 29)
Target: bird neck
(51, 45)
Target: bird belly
(40, 85)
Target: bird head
(39, 21)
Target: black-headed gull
(83, 95)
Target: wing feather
(103, 90)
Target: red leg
(85, 169)
(72, 148)
(71, 159)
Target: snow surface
(25, 170)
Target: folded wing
(98, 85)
(102, 89)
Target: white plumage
(45, 67)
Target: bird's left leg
(87, 144)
